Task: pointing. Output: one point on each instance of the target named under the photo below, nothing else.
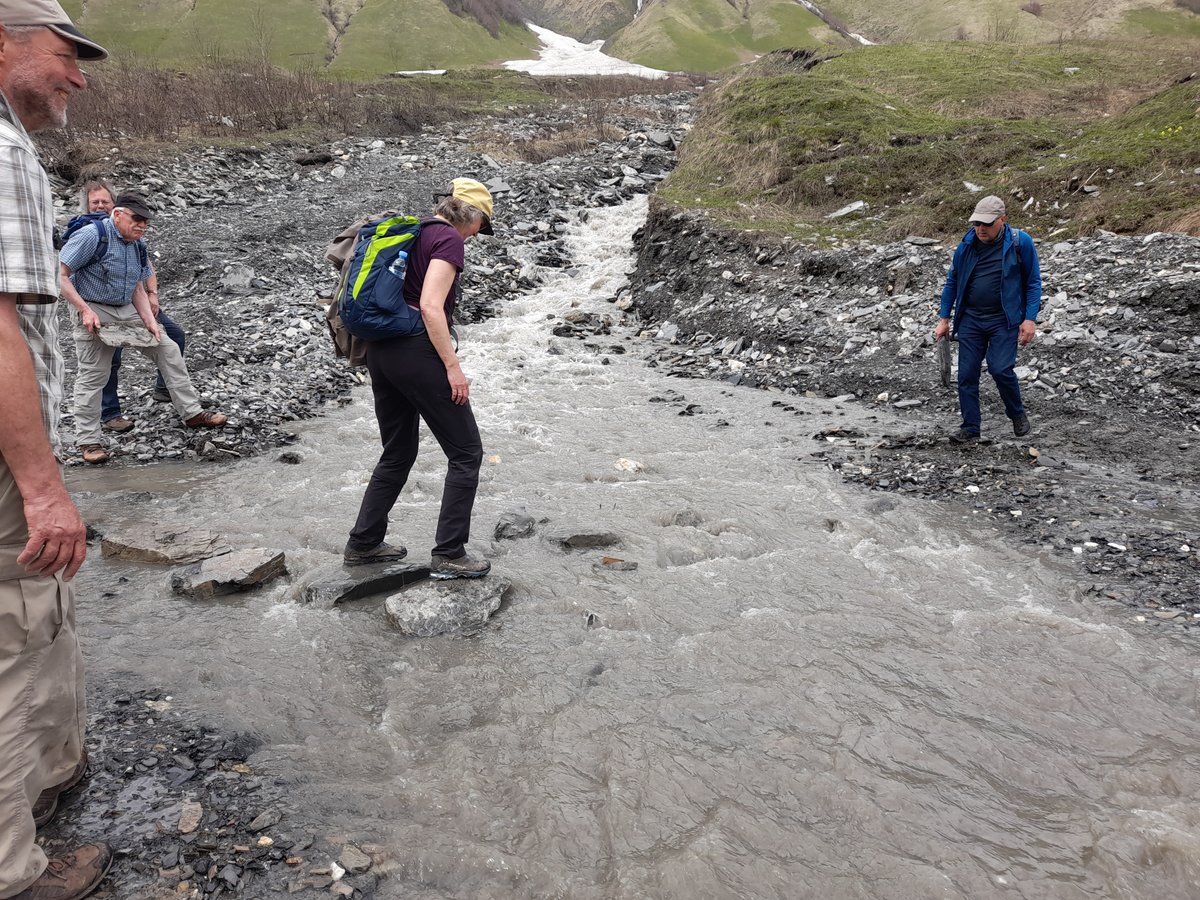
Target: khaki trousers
(95, 367)
(42, 713)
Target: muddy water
(802, 691)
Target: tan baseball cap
(50, 14)
(987, 210)
(471, 191)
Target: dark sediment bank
(1112, 382)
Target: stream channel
(803, 690)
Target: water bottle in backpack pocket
(371, 299)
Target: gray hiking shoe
(442, 567)
(384, 553)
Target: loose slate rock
(265, 820)
(573, 539)
(354, 860)
(229, 573)
(458, 606)
(333, 584)
(164, 544)
(513, 525)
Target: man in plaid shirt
(42, 537)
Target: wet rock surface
(458, 606)
(333, 584)
(188, 812)
(164, 544)
(1108, 477)
(230, 573)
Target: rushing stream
(803, 690)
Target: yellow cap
(471, 191)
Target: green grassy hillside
(382, 36)
(1077, 137)
(389, 36)
(710, 35)
(998, 20)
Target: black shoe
(162, 395)
(384, 553)
(442, 567)
(962, 436)
(1021, 426)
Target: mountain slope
(371, 37)
(710, 35)
(991, 20)
(1079, 136)
(363, 36)
(585, 21)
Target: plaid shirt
(112, 278)
(28, 263)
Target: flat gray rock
(458, 606)
(126, 336)
(163, 544)
(581, 539)
(336, 583)
(513, 525)
(229, 573)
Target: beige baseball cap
(50, 14)
(471, 191)
(987, 210)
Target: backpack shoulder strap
(1017, 243)
(101, 244)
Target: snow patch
(562, 55)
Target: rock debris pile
(1112, 382)
(239, 247)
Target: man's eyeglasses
(138, 220)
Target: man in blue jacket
(994, 290)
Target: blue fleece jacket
(1020, 278)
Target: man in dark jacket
(994, 291)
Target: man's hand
(1026, 332)
(460, 387)
(942, 329)
(154, 307)
(57, 535)
(89, 320)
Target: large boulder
(459, 606)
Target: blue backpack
(96, 220)
(371, 296)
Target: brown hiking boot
(70, 876)
(206, 419)
(93, 454)
(47, 801)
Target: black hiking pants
(409, 382)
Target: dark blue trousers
(994, 340)
(110, 404)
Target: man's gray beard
(31, 104)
